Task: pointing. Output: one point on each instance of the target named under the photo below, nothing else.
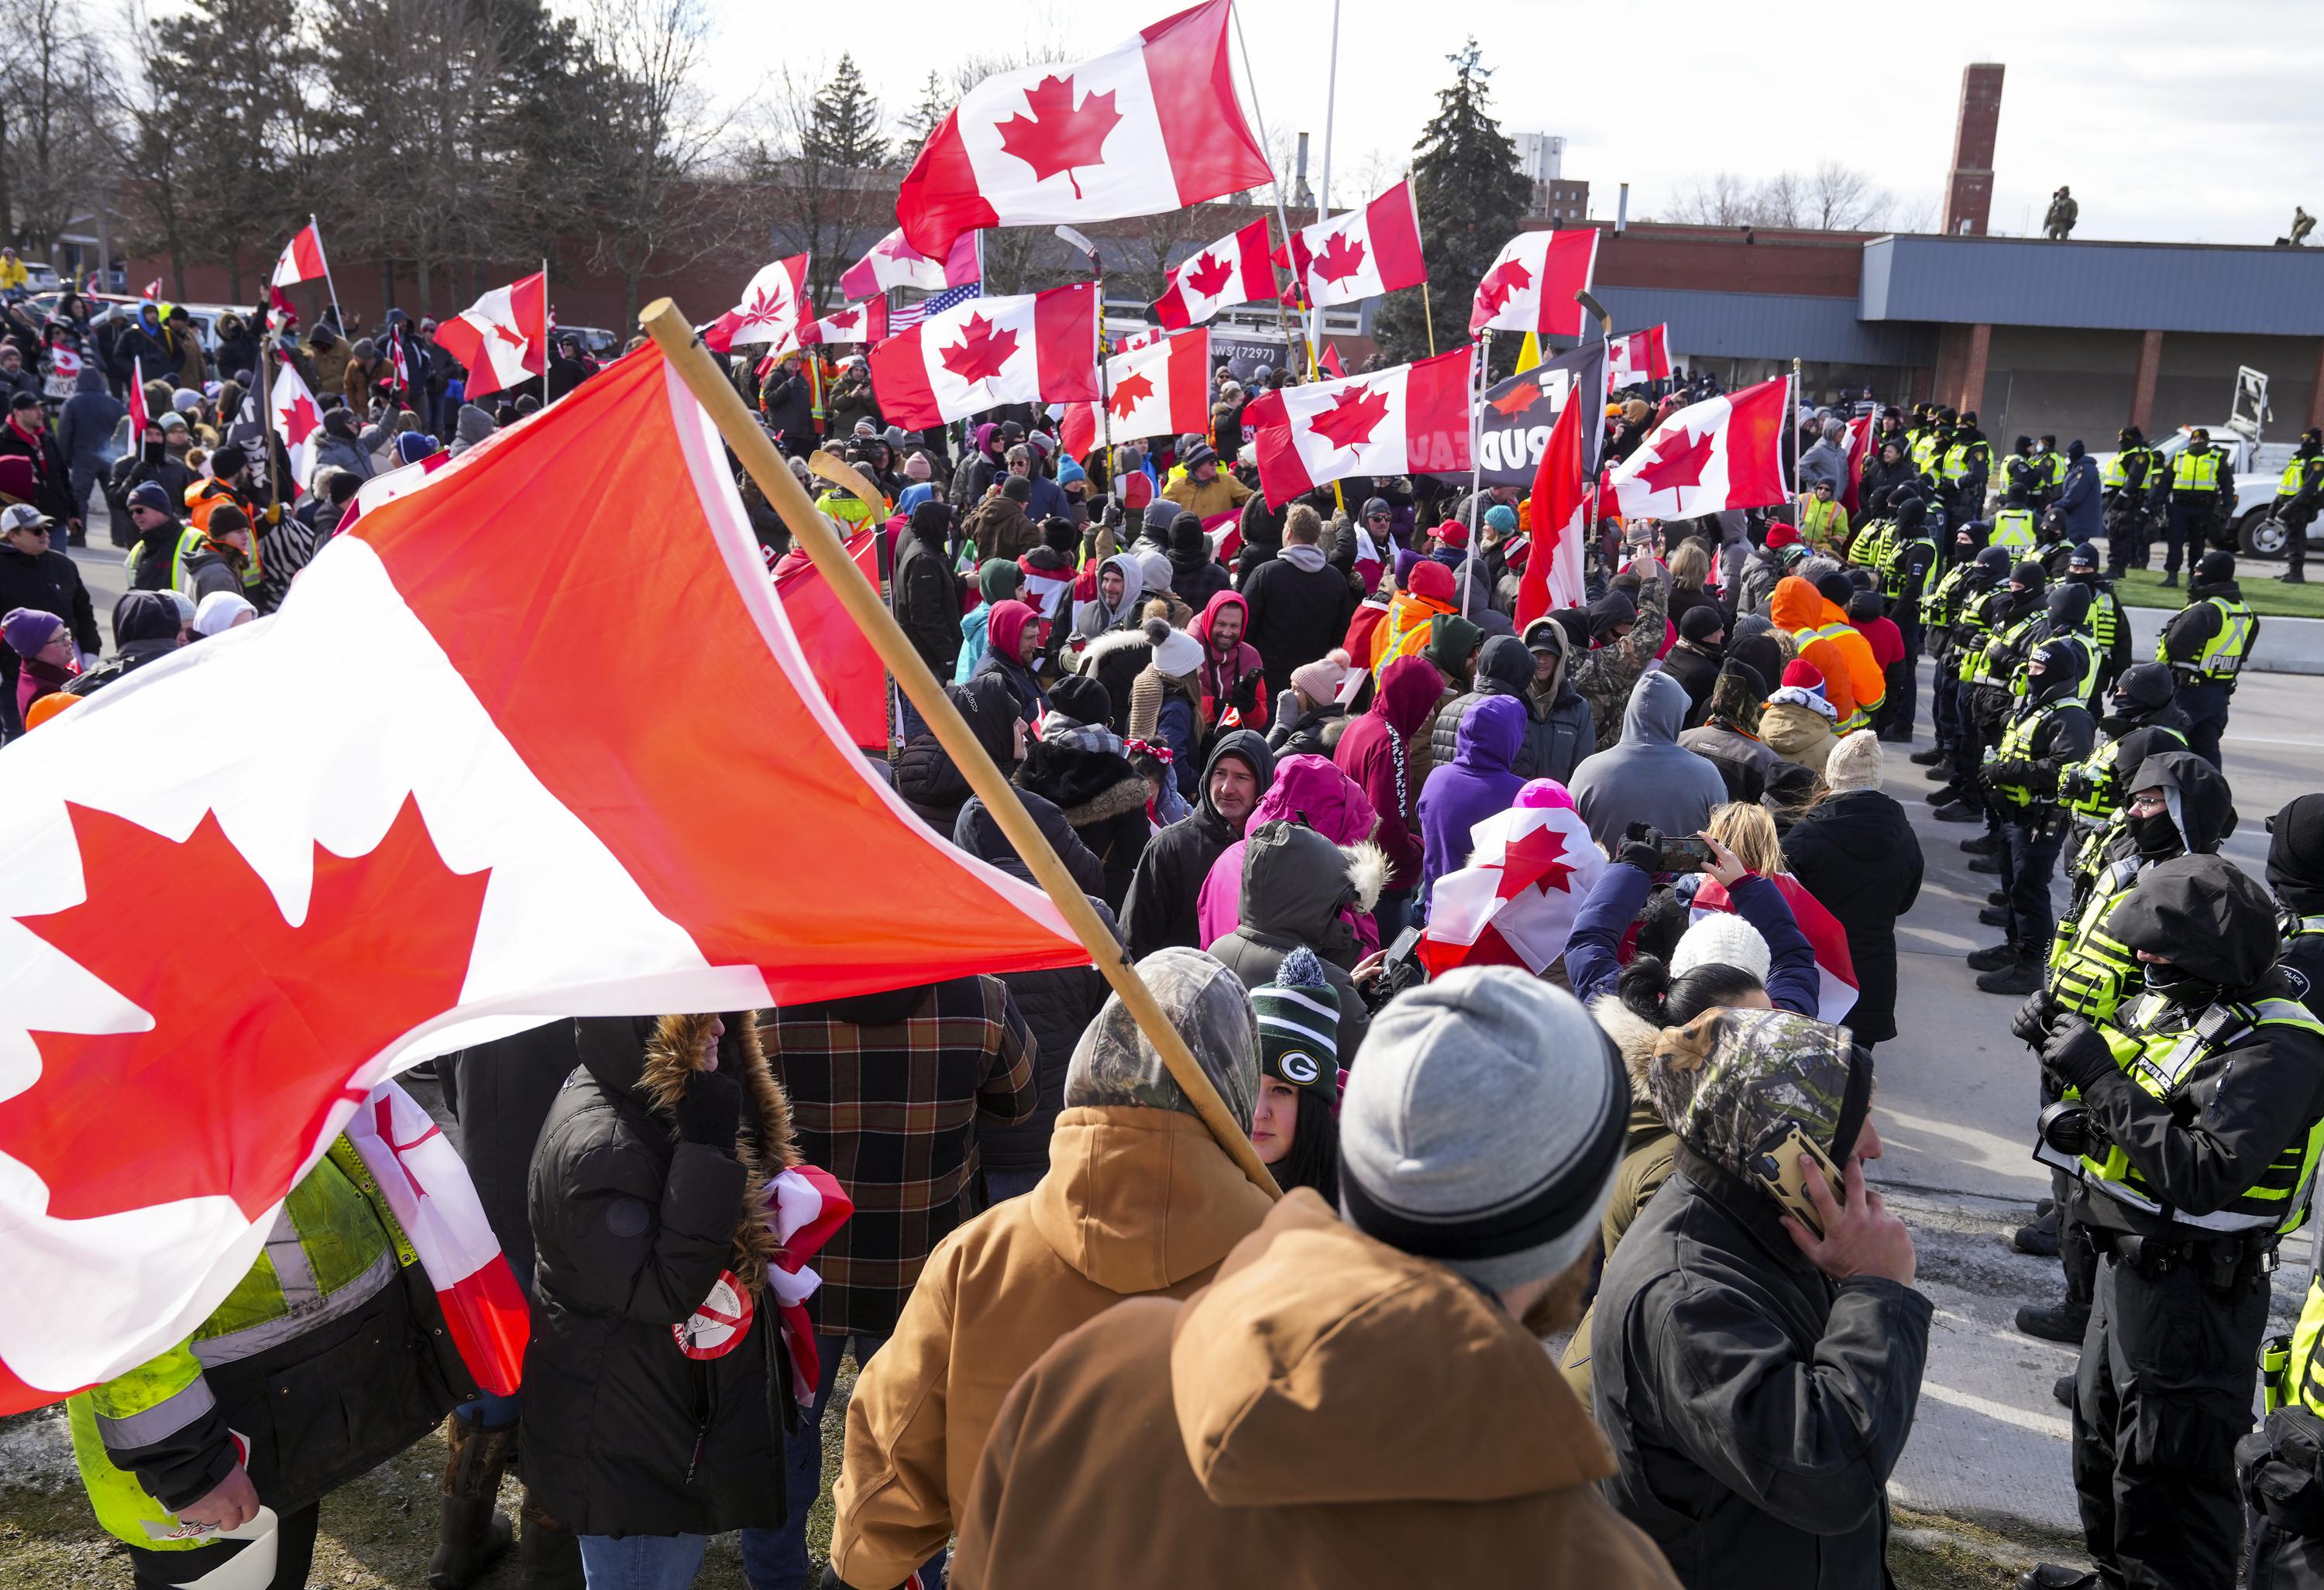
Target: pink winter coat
(1307, 789)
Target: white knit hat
(1721, 939)
(1855, 763)
(1176, 654)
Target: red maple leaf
(846, 319)
(299, 420)
(1499, 282)
(1352, 418)
(1535, 858)
(1059, 135)
(1343, 257)
(257, 1025)
(981, 352)
(509, 335)
(1677, 460)
(1208, 275)
(1516, 400)
(1127, 391)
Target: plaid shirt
(891, 1113)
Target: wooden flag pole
(1427, 309)
(545, 349)
(675, 336)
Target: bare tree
(826, 198)
(1841, 198)
(57, 84)
(1780, 201)
(1834, 198)
(1717, 201)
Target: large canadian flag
(1235, 269)
(1407, 419)
(865, 322)
(1040, 347)
(893, 262)
(1722, 453)
(296, 419)
(1359, 253)
(1532, 281)
(773, 312)
(1152, 124)
(1637, 357)
(503, 337)
(302, 260)
(1554, 572)
(1163, 388)
(516, 801)
(1513, 905)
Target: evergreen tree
(934, 106)
(843, 132)
(1471, 199)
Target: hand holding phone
(1683, 855)
(1853, 1234)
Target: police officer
(2012, 522)
(2298, 494)
(2127, 485)
(1968, 466)
(2050, 728)
(324, 1361)
(1906, 557)
(2020, 473)
(2182, 807)
(2008, 616)
(2295, 871)
(2190, 1134)
(2052, 546)
(1943, 614)
(2141, 720)
(2206, 646)
(2199, 487)
(1930, 440)
(2108, 633)
(2049, 472)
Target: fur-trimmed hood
(1637, 1038)
(1086, 783)
(766, 1146)
(1295, 882)
(1108, 644)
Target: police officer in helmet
(2206, 646)
(2188, 1120)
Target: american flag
(936, 303)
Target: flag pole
(1427, 310)
(675, 336)
(1482, 360)
(544, 331)
(1792, 419)
(1282, 213)
(328, 285)
(1324, 182)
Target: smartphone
(1400, 953)
(1683, 855)
(1778, 1171)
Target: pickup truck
(2257, 467)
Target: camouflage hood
(1114, 1063)
(1730, 1080)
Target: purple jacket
(1482, 781)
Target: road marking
(2040, 1424)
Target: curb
(2286, 645)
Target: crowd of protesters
(1259, 736)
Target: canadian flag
(153, 288)
(1532, 281)
(893, 262)
(1407, 419)
(1359, 253)
(301, 260)
(847, 665)
(1041, 347)
(1161, 389)
(866, 321)
(513, 802)
(773, 311)
(1719, 454)
(1235, 269)
(138, 418)
(1141, 339)
(1331, 363)
(1513, 905)
(296, 419)
(1859, 450)
(1637, 357)
(503, 337)
(1152, 124)
(1560, 507)
(1837, 987)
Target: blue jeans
(777, 1560)
(489, 1412)
(642, 1562)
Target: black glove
(1642, 851)
(2031, 1025)
(2077, 1055)
(1245, 694)
(710, 1111)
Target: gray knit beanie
(1482, 1127)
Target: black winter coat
(930, 783)
(1296, 615)
(51, 582)
(1755, 1407)
(1102, 798)
(1750, 768)
(1556, 738)
(1696, 671)
(926, 600)
(1161, 908)
(622, 1432)
(789, 409)
(1856, 854)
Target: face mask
(152, 452)
(2179, 987)
(2158, 838)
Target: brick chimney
(1968, 189)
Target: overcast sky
(2170, 121)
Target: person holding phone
(1759, 1343)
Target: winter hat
(1863, 607)
(1855, 763)
(1407, 560)
(1432, 580)
(1700, 623)
(218, 610)
(1780, 536)
(916, 467)
(1723, 939)
(172, 421)
(1731, 1083)
(2216, 565)
(1319, 681)
(1176, 654)
(1834, 588)
(998, 579)
(1451, 641)
(1376, 505)
(226, 519)
(151, 494)
(185, 399)
(1116, 1064)
(1197, 456)
(1017, 488)
(29, 628)
(412, 446)
(229, 461)
(931, 520)
(1504, 1195)
(2083, 556)
(1299, 1025)
(1502, 518)
(1069, 471)
(1081, 698)
(340, 423)
(1805, 674)
(2032, 575)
